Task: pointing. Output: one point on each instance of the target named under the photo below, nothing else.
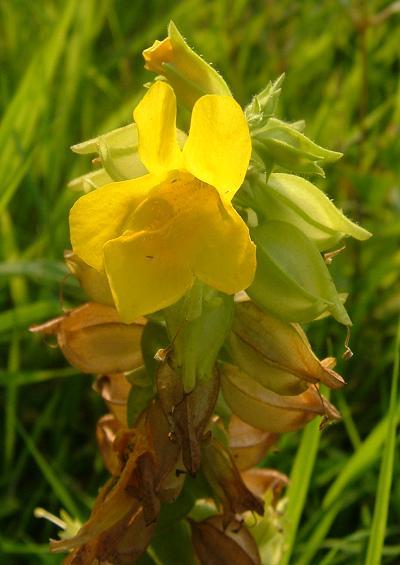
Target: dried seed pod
(93, 339)
(269, 411)
(275, 353)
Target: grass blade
(51, 477)
(299, 484)
(378, 528)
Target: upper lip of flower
(152, 235)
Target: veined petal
(219, 147)
(144, 274)
(103, 214)
(155, 117)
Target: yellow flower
(153, 235)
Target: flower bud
(117, 152)
(94, 340)
(269, 411)
(189, 75)
(292, 280)
(283, 144)
(264, 104)
(275, 353)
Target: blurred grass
(73, 69)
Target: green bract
(292, 281)
(197, 327)
(295, 200)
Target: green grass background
(72, 69)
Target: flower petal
(103, 214)
(144, 274)
(180, 231)
(219, 147)
(207, 234)
(224, 256)
(155, 117)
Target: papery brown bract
(131, 499)
(106, 430)
(114, 389)
(123, 543)
(94, 340)
(260, 480)
(216, 543)
(225, 480)
(187, 413)
(248, 445)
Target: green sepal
(295, 200)
(292, 281)
(285, 145)
(117, 153)
(197, 327)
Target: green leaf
(51, 476)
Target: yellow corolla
(153, 235)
